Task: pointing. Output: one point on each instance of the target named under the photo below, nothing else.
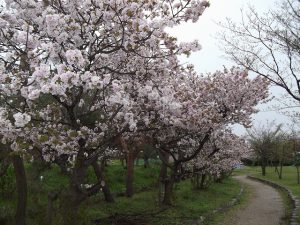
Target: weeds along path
(265, 206)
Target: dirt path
(265, 206)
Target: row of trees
(84, 81)
(272, 146)
(268, 45)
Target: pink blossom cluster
(221, 155)
(77, 75)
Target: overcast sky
(211, 58)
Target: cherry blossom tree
(219, 157)
(207, 104)
(77, 75)
(81, 78)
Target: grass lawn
(188, 205)
(229, 217)
(142, 208)
(289, 176)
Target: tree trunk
(263, 167)
(100, 176)
(70, 203)
(162, 179)
(130, 157)
(146, 162)
(263, 170)
(280, 172)
(52, 196)
(169, 183)
(129, 174)
(202, 184)
(276, 169)
(49, 214)
(163, 172)
(21, 184)
(62, 163)
(298, 175)
(74, 196)
(197, 181)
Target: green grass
(289, 176)
(188, 204)
(289, 180)
(288, 207)
(228, 217)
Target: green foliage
(7, 211)
(7, 184)
(144, 178)
(7, 190)
(48, 179)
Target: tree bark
(280, 172)
(298, 175)
(169, 183)
(197, 178)
(146, 162)
(161, 181)
(129, 174)
(130, 156)
(62, 163)
(163, 172)
(100, 176)
(21, 184)
(276, 169)
(74, 196)
(263, 170)
(202, 183)
(70, 203)
(263, 167)
(52, 196)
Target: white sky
(211, 58)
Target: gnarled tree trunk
(74, 195)
(131, 154)
(169, 184)
(100, 176)
(21, 184)
(52, 196)
(129, 174)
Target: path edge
(295, 201)
(226, 206)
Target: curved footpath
(265, 206)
